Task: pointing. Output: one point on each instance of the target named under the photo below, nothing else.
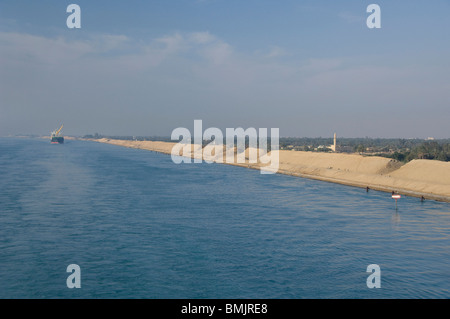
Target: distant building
(345, 149)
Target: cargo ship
(56, 138)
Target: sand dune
(427, 178)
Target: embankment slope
(427, 178)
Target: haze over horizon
(146, 68)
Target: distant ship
(56, 137)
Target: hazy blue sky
(310, 68)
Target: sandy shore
(427, 178)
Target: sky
(144, 68)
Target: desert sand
(427, 178)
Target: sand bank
(427, 178)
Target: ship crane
(57, 132)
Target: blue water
(140, 226)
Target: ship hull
(57, 140)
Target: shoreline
(427, 178)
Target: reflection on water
(396, 219)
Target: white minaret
(334, 146)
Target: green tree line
(428, 150)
